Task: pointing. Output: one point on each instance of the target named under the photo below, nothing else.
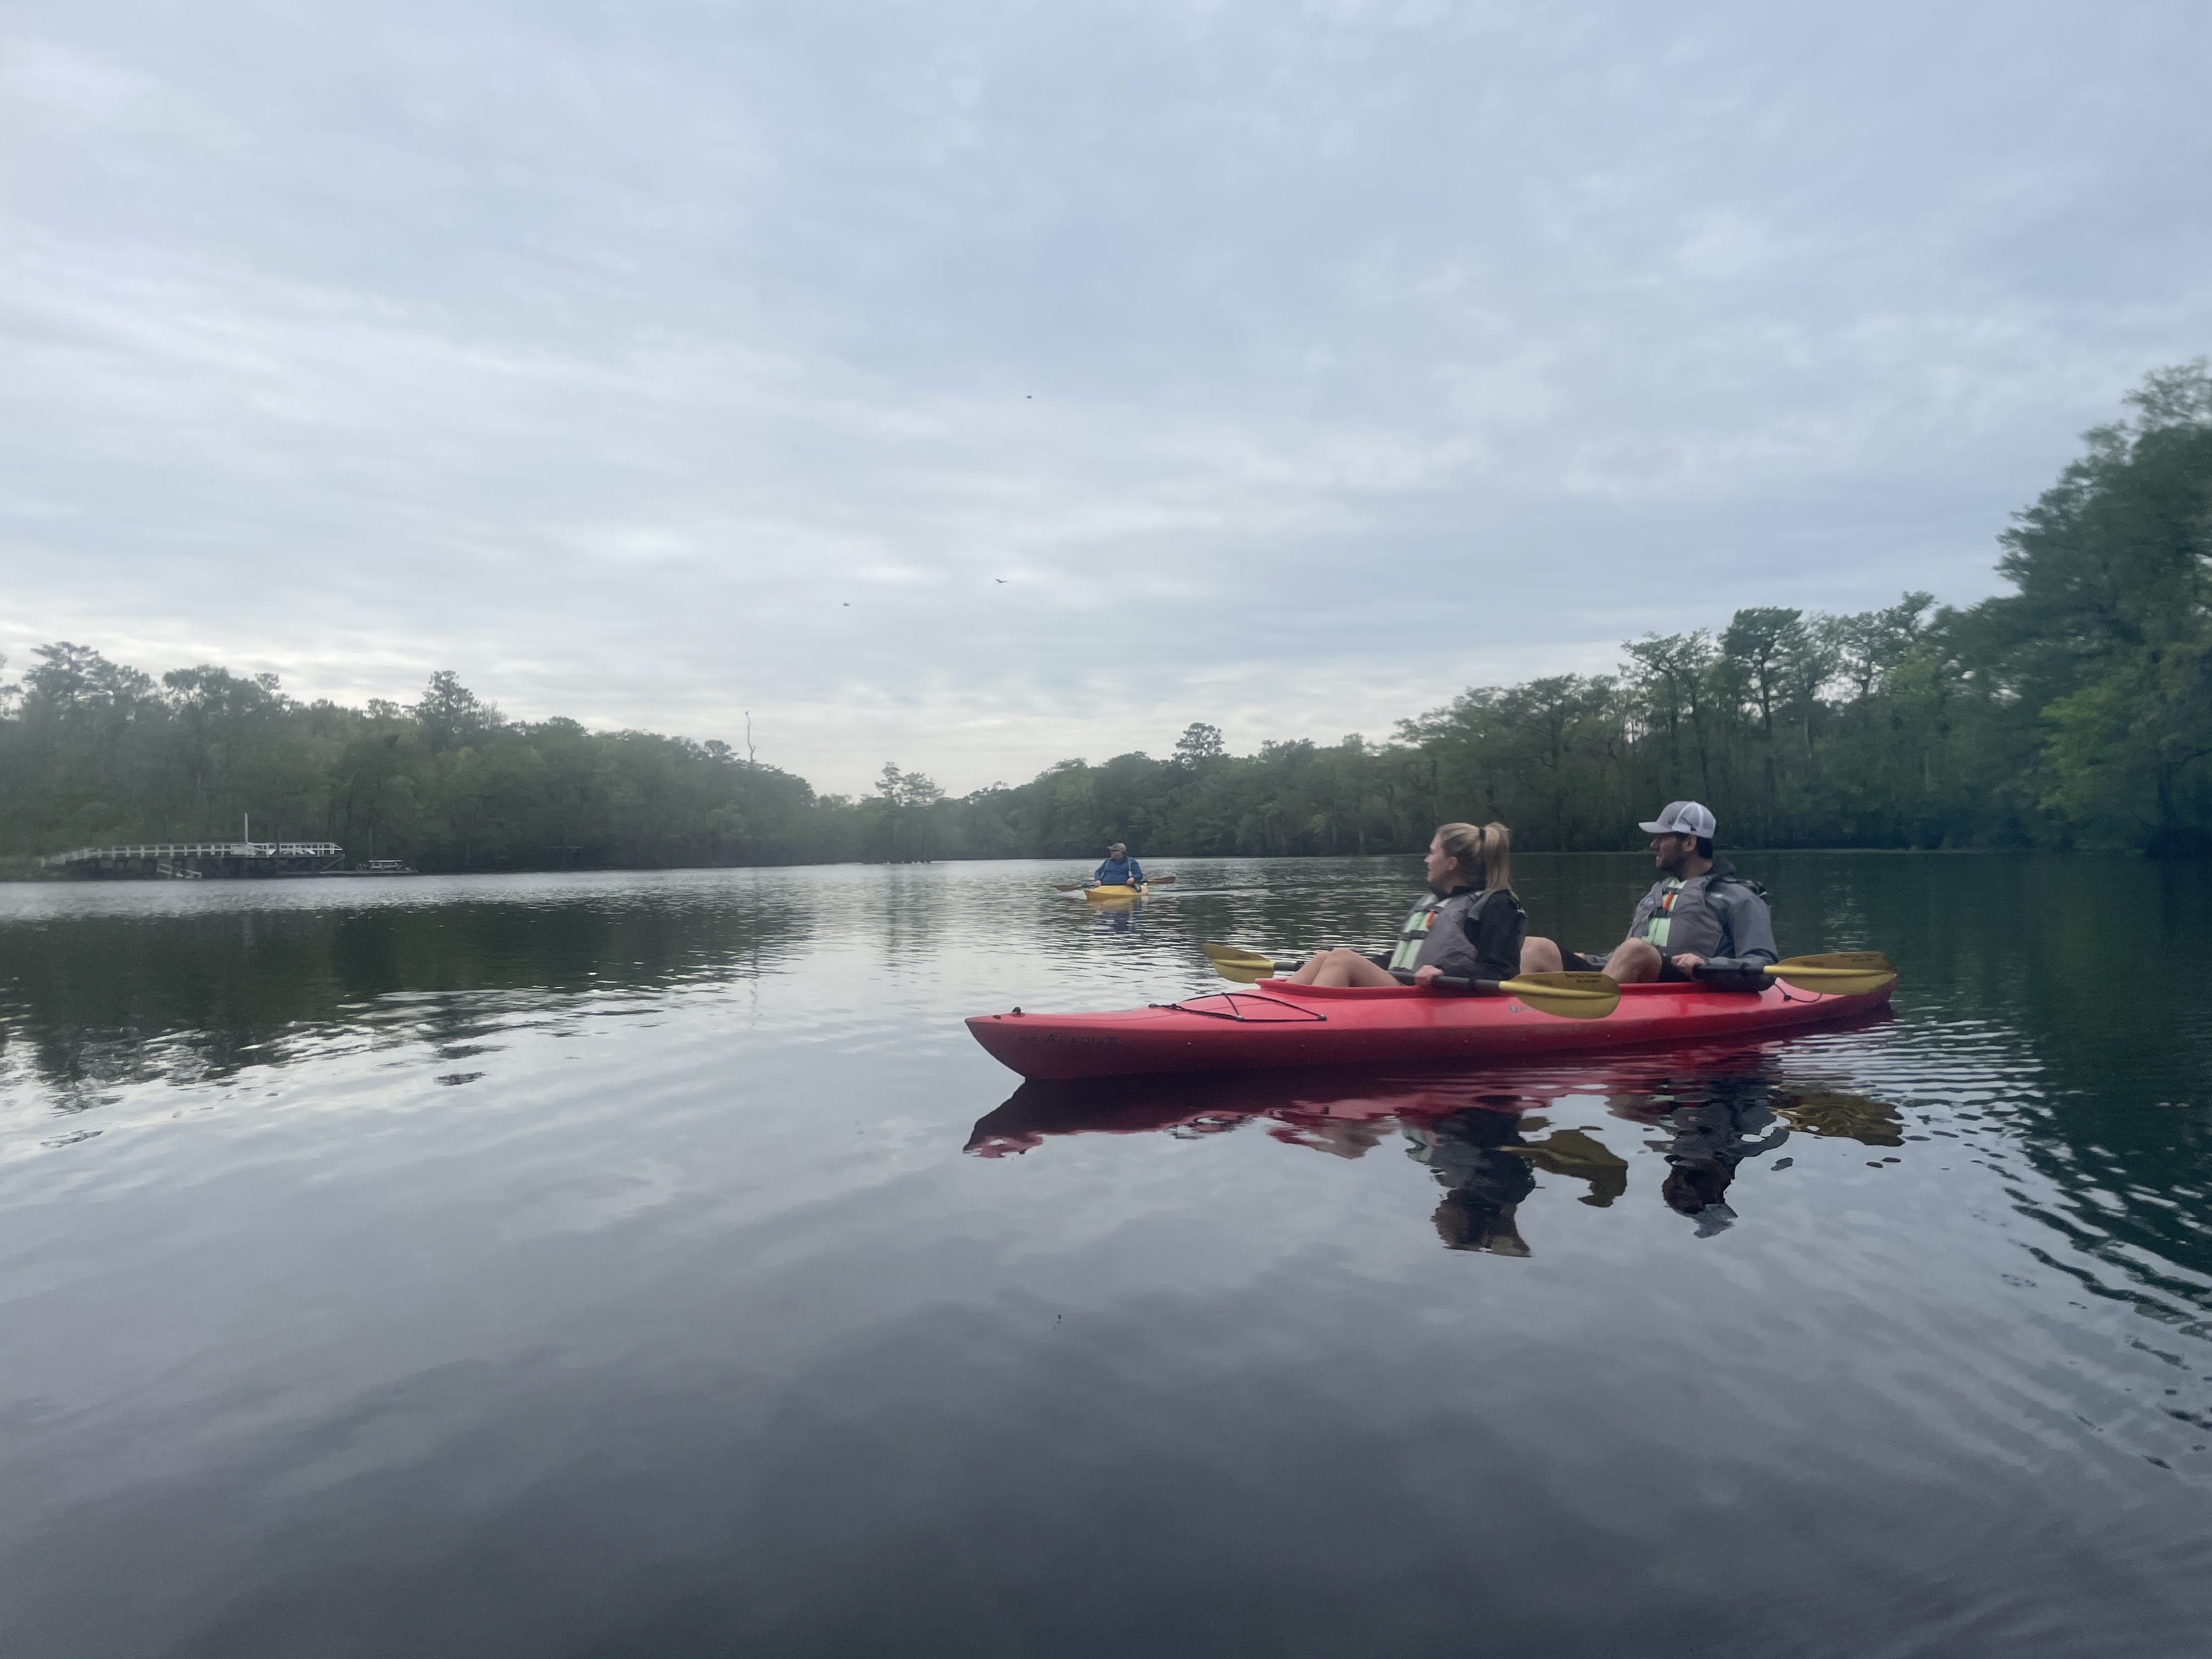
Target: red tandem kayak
(1277, 1023)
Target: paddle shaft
(1078, 886)
(1475, 987)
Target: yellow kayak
(1115, 894)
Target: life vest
(1662, 921)
(1680, 917)
(1414, 935)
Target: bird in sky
(1001, 580)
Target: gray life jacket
(1718, 914)
(1440, 931)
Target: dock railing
(169, 851)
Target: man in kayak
(1699, 911)
(1120, 870)
(1470, 926)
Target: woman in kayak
(1470, 926)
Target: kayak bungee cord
(1231, 998)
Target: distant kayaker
(1699, 911)
(1120, 870)
(1470, 926)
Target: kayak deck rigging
(1235, 999)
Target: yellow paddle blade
(1570, 996)
(1837, 973)
(1237, 953)
(1831, 981)
(1852, 962)
(1245, 973)
(1235, 962)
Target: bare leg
(1540, 955)
(1339, 966)
(1633, 962)
(1350, 967)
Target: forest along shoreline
(2074, 710)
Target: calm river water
(651, 1265)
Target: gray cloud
(1294, 367)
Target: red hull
(1277, 1023)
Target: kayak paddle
(1569, 996)
(1149, 881)
(1837, 973)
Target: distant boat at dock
(218, 860)
(199, 861)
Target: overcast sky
(971, 386)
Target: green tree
(451, 715)
(2076, 707)
(2100, 656)
(1199, 744)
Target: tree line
(2075, 709)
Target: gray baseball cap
(1680, 817)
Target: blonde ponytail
(1486, 852)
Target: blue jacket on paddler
(1470, 932)
(1123, 871)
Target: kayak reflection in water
(1483, 1136)
(1716, 1124)
(1117, 918)
(1482, 1155)
(1470, 926)
(1485, 1183)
